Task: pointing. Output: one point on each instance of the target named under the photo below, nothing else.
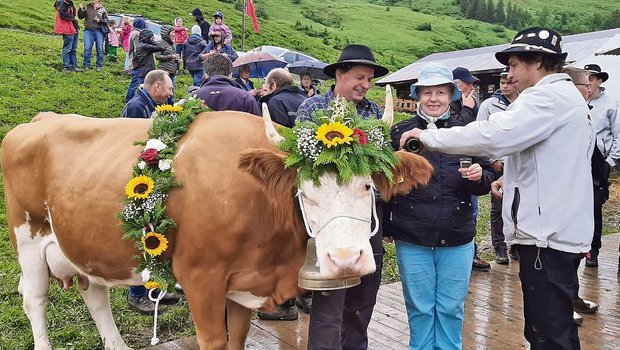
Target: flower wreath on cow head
(143, 218)
(340, 141)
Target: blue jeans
(197, 75)
(93, 36)
(133, 84)
(69, 50)
(137, 291)
(180, 50)
(435, 283)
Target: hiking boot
(304, 301)
(141, 304)
(592, 260)
(168, 299)
(577, 318)
(480, 265)
(585, 306)
(76, 69)
(281, 313)
(501, 256)
(513, 253)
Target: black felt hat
(596, 70)
(537, 40)
(354, 55)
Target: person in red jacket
(180, 37)
(66, 24)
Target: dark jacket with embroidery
(440, 214)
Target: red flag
(252, 14)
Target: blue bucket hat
(434, 74)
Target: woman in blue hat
(433, 226)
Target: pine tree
(490, 12)
(509, 15)
(544, 17)
(500, 15)
(472, 9)
(482, 11)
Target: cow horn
(388, 112)
(272, 134)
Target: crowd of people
(514, 145)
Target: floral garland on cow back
(340, 141)
(143, 218)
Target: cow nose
(346, 260)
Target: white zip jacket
(607, 125)
(548, 139)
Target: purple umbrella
(260, 63)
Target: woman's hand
(409, 134)
(473, 173)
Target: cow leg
(33, 283)
(97, 298)
(207, 302)
(238, 321)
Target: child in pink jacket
(218, 24)
(113, 41)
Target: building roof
(482, 59)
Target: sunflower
(168, 108)
(151, 285)
(139, 187)
(334, 134)
(154, 243)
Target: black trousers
(339, 318)
(497, 224)
(549, 282)
(599, 200)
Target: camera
(413, 145)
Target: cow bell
(310, 276)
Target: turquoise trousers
(435, 283)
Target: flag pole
(243, 25)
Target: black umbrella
(312, 67)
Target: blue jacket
(440, 214)
(226, 49)
(141, 105)
(221, 93)
(193, 48)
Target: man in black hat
(204, 25)
(547, 139)
(604, 114)
(339, 318)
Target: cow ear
(412, 171)
(267, 167)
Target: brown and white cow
(240, 239)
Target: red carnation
(150, 155)
(360, 136)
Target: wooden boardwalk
(493, 313)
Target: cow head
(338, 215)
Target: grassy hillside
(390, 31)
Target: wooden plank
(493, 313)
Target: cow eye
(368, 187)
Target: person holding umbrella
(307, 89)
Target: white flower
(156, 144)
(142, 165)
(180, 103)
(164, 164)
(146, 275)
